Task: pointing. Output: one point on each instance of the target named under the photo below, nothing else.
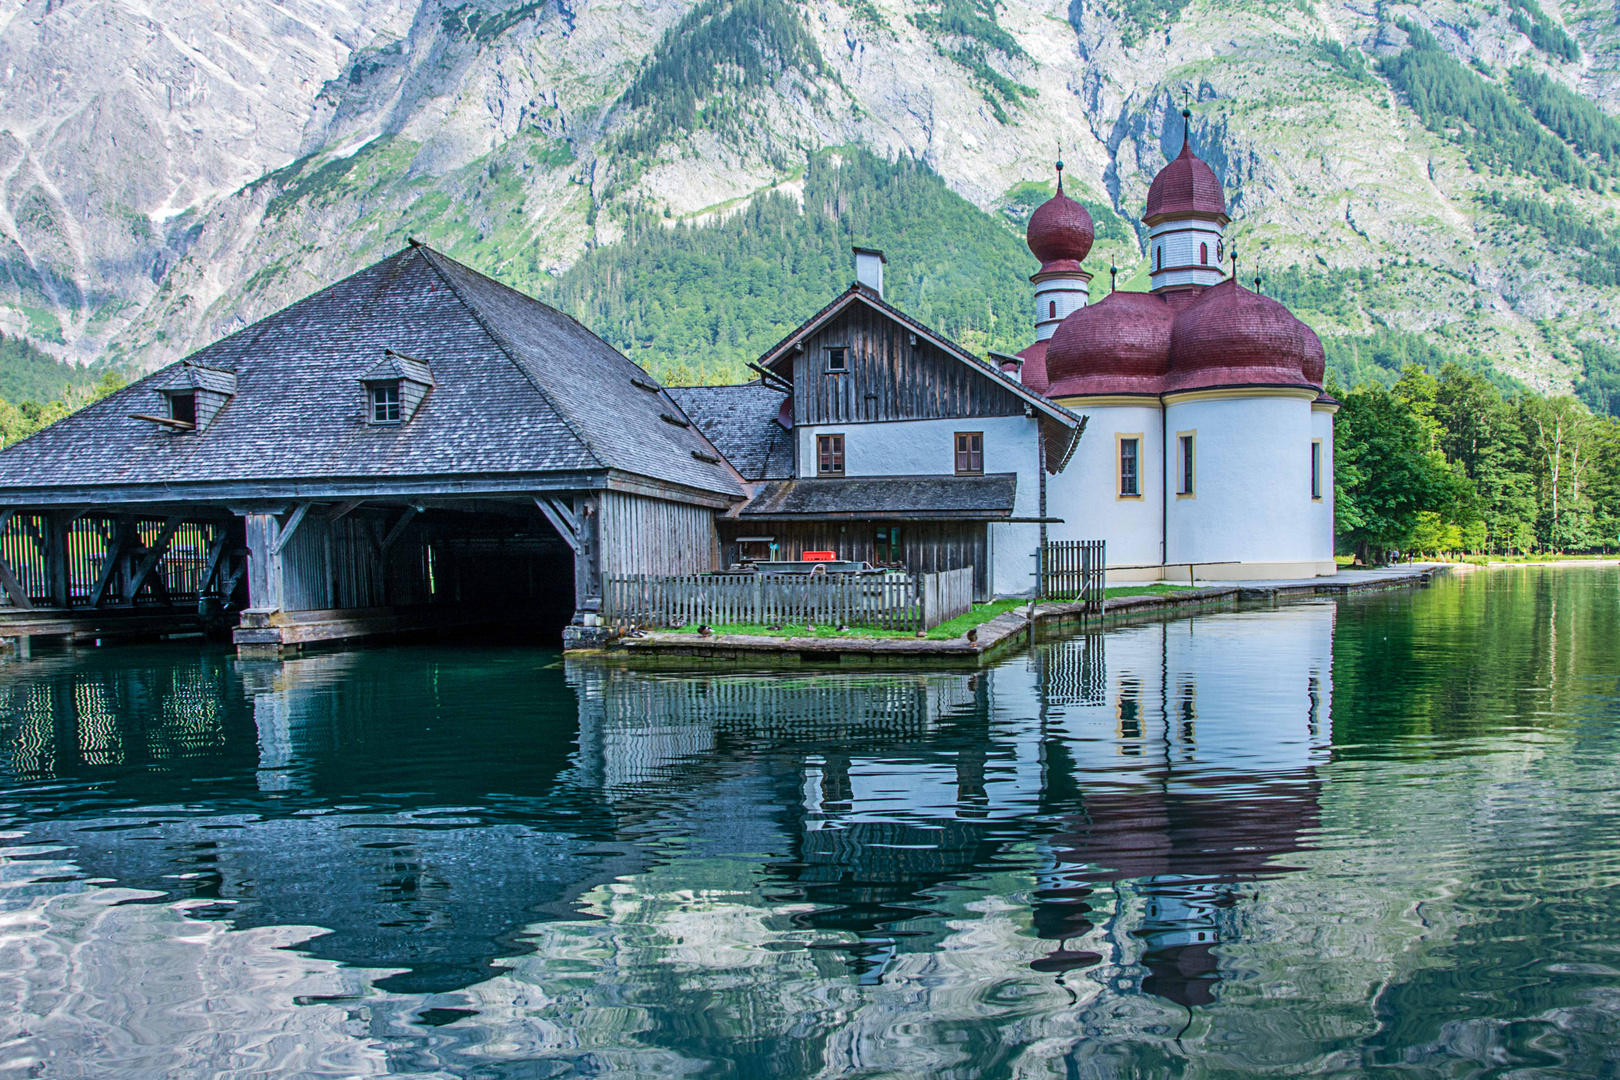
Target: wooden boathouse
(415, 446)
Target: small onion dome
(1060, 232)
(1230, 336)
(1033, 373)
(1119, 345)
(1186, 188)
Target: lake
(1380, 833)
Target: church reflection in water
(431, 808)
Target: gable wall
(888, 378)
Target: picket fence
(892, 601)
(1073, 570)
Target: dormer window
(395, 388)
(385, 403)
(183, 409)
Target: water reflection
(1087, 859)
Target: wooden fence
(1073, 570)
(91, 560)
(893, 601)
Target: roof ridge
(505, 344)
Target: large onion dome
(1060, 231)
(1230, 336)
(1119, 345)
(1186, 187)
(1033, 373)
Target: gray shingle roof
(393, 365)
(520, 388)
(955, 497)
(741, 423)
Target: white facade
(1322, 493)
(1058, 294)
(1186, 252)
(928, 448)
(1087, 493)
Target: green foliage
(695, 303)
(1546, 35)
(721, 52)
(1565, 228)
(1498, 133)
(1023, 199)
(1139, 18)
(1599, 386)
(1590, 130)
(21, 419)
(467, 21)
(1349, 60)
(1445, 462)
(966, 31)
(28, 374)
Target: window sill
(1129, 498)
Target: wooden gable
(890, 372)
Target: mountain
(1420, 183)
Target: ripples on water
(1324, 838)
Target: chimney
(869, 269)
(1009, 364)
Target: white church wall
(928, 448)
(1251, 501)
(1322, 510)
(1175, 246)
(1086, 494)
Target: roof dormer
(192, 394)
(394, 388)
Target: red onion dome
(1060, 232)
(1315, 367)
(1186, 188)
(1033, 373)
(1119, 345)
(1233, 337)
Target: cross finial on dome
(1060, 170)
(1113, 277)
(1186, 118)
(1234, 262)
(1257, 283)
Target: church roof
(1186, 187)
(519, 389)
(1060, 231)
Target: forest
(1444, 462)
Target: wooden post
(56, 558)
(587, 557)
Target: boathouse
(414, 446)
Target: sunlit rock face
(173, 171)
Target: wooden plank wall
(641, 535)
(888, 378)
(930, 546)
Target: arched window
(1158, 258)
(1051, 309)
(1203, 254)
(1220, 251)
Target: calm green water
(1377, 835)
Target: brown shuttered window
(830, 455)
(969, 453)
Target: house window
(1051, 309)
(1184, 463)
(1316, 469)
(830, 455)
(837, 359)
(1203, 254)
(887, 550)
(1130, 484)
(385, 403)
(969, 453)
(183, 408)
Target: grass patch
(1158, 588)
(955, 628)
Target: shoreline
(997, 635)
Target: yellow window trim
(1181, 481)
(1119, 465)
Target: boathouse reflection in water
(430, 807)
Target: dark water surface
(1377, 835)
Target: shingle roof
(189, 376)
(520, 388)
(741, 422)
(955, 497)
(393, 365)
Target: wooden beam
(289, 528)
(149, 561)
(8, 581)
(345, 509)
(216, 551)
(115, 552)
(567, 528)
(398, 529)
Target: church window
(1185, 452)
(1220, 251)
(1316, 469)
(1051, 309)
(830, 455)
(1203, 254)
(969, 453)
(1130, 483)
(1158, 258)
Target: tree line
(1446, 463)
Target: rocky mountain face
(171, 170)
